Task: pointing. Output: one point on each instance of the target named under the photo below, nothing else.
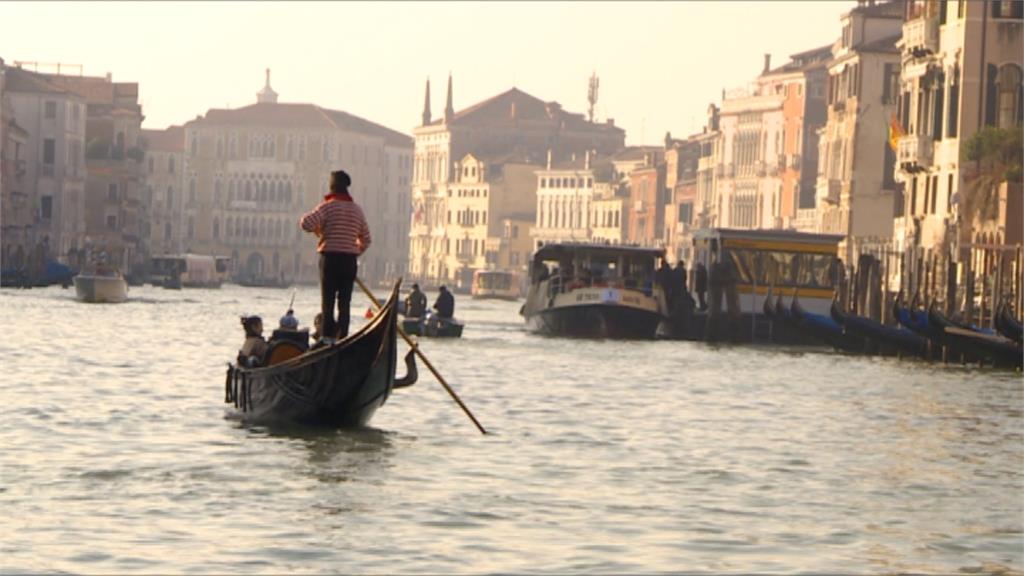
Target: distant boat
(433, 329)
(495, 284)
(338, 385)
(188, 270)
(101, 285)
(262, 282)
(885, 338)
(595, 291)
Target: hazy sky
(660, 63)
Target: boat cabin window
(778, 268)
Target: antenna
(592, 95)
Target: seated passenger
(254, 346)
(289, 321)
(444, 306)
(416, 303)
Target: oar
(425, 361)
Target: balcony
(915, 152)
(921, 36)
(795, 161)
(829, 190)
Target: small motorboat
(101, 284)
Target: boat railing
(558, 284)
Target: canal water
(602, 457)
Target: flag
(895, 133)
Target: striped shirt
(339, 224)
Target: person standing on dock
(701, 284)
(343, 235)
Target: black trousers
(337, 274)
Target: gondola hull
(445, 329)
(341, 385)
(887, 339)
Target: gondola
(975, 344)
(1007, 325)
(910, 317)
(824, 328)
(338, 385)
(886, 338)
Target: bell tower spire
(449, 110)
(426, 104)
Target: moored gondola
(337, 385)
(885, 339)
(1007, 325)
(824, 328)
(975, 344)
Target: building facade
(50, 170)
(251, 172)
(513, 122)
(856, 191)
(961, 72)
(162, 192)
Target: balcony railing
(921, 35)
(915, 152)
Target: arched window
(231, 191)
(192, 191)
(248, 190)
(216, 227)
(170, 164)
(170, 197)
(288, 192)
(167, 231)
(217, 193)
(229, 230)
(263, 191)
(191, 227)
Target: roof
(290, 115)
(514, 105)
(19, 80)
(892, 9)
(885, 45)
(780, 235)
(802, 61)
(171, 139)
(553, 251)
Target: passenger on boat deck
(254, 346)
(416, 303)
(445, 304)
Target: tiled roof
(883, 45)
(301, 116)
(893, 9)
(516, 105)
(171, 139)
(18, 80)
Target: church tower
(267, 95)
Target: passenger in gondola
(318, 326)
(254, 347)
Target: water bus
(594, 291)
(496, 284)
(189, 270)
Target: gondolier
(343, 235)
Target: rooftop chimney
(549, 158)
(586, 161)
(767, 63)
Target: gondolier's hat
(340, 180)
